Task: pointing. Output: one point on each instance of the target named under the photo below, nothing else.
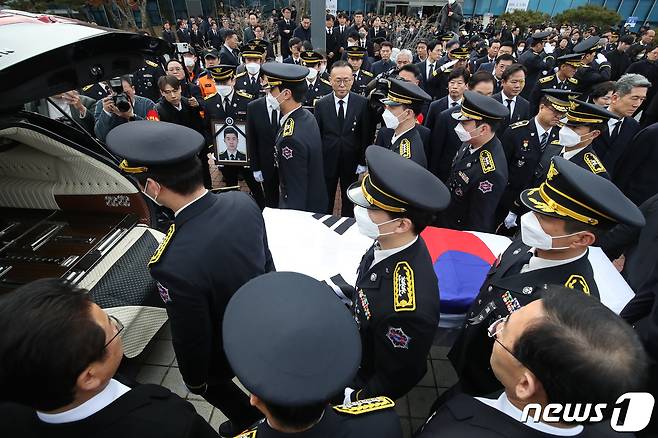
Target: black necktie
(253, 81)
(341, 113)
(453, 104)
(226, 104)
(509, 106)
(431, 72)
(275, 120)
(543, 141)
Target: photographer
(120, 108)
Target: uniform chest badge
(485, 186)
(510, 302)
(525, 145)
(459, 192)
(404, 294)
(593, 163)
(463, 176)
(164, 293)
(398, 337)
(365, 305)
(286, 152)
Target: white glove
(548, 48)
(258, 176)
(447, 65)
(600, 58)
(510, 220)
(360, 169)
(348, 393)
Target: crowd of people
(543, 134)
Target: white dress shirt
(381, 254)
(503, 405)
(540, 129)
(107, 396)
(286, 115)
(190, 203)
(450, 101)
(539, 263)
(512, 105)
(397, 136)
(344, 99)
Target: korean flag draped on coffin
(329, 248)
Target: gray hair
(627, 82)
(408, 53)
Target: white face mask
(154, 199)
(532, 234)
(253, 68)
(366, 226)
(312, 74)
(323, 68)
(569, 138)
(272, 101)
(349, 44)
(463, 134)
(224, 90)
(189, 62)
(391, 120)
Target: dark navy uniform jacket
(536, 64)
(319, 88)
(477, 181)
(373, 418)
(504, 291)
(397, 309)
(409, 145)
(216, 245)
(299, 160)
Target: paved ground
(157, 364)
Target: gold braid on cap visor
(377, 203)
(395, 97)
(564, 211)
(128, 169)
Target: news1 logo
(631, 412)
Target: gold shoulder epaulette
(487, 161)
(209, 96)
(239, 75)
(151, 63)
(289, 127)
(519, 124)
(367, 73)
(364, 406)
(244, 94)
(404, 289)
(555, 142)
(546, 79)
(573, 80)
(163, 245)
(251, 433)
(325, 81)
(87, 87)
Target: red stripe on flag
(441, 240)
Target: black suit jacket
(289, 60)
(239, 156)
(187, 116)
(635, 172)
(343, 147)
(332, 43)
(521, 112)
(464, 416)
(431, 87)
(341, 37)
(146, 410)
(261, 136)
(381, 66)
(608, 150)
(226, 57)
(443, 143)
(169, 36)
(215, 39)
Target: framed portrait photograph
(230, 142)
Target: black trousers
(346, 176)
(234, 403)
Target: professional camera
(119, 98)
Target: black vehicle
(66, 210)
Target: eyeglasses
(118, 326)
(343, 81)
(495, 329)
